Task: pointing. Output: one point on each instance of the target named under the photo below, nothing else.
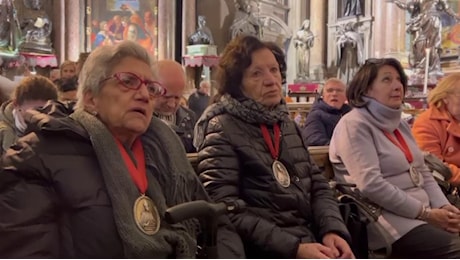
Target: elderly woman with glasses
(437, 130)
(374, 149)
(96, 184)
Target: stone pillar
(166, 29)
(318, 16)
(59, 29)
(189, 18)
(72, 31)
(379, 28)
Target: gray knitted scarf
(245, 109)
(168, 173)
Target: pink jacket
(437, 132)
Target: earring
(94, 113)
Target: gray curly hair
(101, 62)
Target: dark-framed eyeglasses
(134, 82)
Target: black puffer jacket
(54, 202)
(321, 121)
(234, 162)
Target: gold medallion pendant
(415, 175)
(146, 215)
(281, 174)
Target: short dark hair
(363, 79)
(236, 58)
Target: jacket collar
(441, 114)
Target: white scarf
(19, 121)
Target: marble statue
(245, 21)
(350, 51)
(352, 8)
(426, 27)
(202, 35)
(303, 42)
(9, 28)
(36, 28)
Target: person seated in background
(249, 149)
(81, 61)
(31, 93)
(97, 183)
(167, 107)
(437, 130)
(199, 100)
(373, 148)
(55, 74)
(67, 89)
(326, 113)
(68, 69)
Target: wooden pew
(320, 155)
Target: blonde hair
(446, 86)
(68, 63)
(331, 81)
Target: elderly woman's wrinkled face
(126, 112)
(262, 79)
(387, 88)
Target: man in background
(182, 120)
(199, 100)
(326, 113)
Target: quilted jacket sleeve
(28, 226)
(314, 133)
(219, 168)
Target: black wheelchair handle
(202, 209)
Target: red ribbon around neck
(400, 143)
(274, 146)
(138, 174)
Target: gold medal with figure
(281, 174)
(146, 215)
(415, 175)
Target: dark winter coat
(54, 202)
(321, 121)
(234, 162)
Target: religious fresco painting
(450, 33)
(112, 21)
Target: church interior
(326, 45)
(321, 39)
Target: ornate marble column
(188, 21)
(166, 29)
(72, 31)
(318, 16)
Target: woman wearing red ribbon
(374, 149)
(250, 149)
(96, 184)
